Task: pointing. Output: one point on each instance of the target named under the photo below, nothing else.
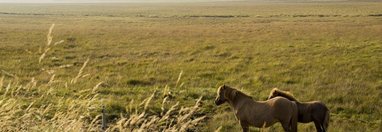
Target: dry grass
(38, 106)
(174, 119)
(19, 112)
(26, 108)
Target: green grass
(319, 51)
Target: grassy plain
(328, 51)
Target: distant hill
(320, 0)
(155, 1)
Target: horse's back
(282, 107)
(312, 110)
(315, 105)
(280, 102)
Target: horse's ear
(274, 91)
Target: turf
(328, 51)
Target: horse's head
(273, 93)
(277, 92)
(220, 99)
(224, 94)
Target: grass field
(177, 52)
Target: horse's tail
(294, 117)
(326, 121)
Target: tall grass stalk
(49, 39)
(74, 80)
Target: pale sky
(98, 1)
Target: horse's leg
(245, 126)
(293, 125)
(294, 118)
(318, 126)
(286, 126)
(322, 120)
(319, 120)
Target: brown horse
(259, 113)
(315, 111)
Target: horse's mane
(238, 92)
(284, 94)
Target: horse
(259, 113)
(313, 111)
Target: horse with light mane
(259, 113)
(313, 111)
